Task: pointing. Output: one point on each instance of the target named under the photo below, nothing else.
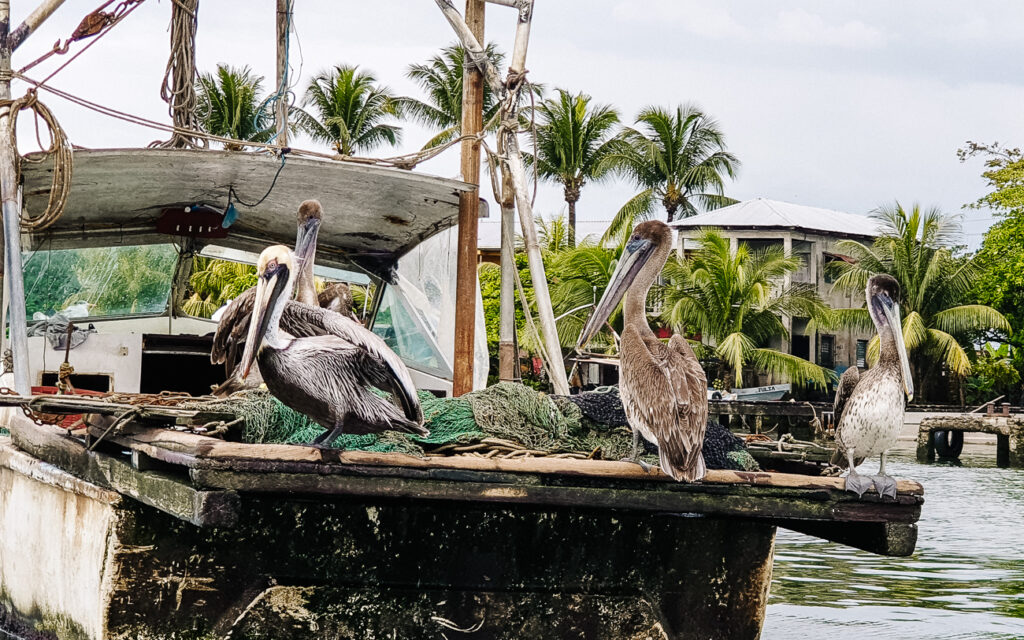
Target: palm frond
(798, 371)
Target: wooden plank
(766, 408)
(198, 449)
(34, 468)
(745, 502)
(999, 425)
(160, 490)
(886, 538)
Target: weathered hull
(77, 561)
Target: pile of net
(506, 420)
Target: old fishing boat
(146, 514)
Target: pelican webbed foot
(856, 483)
(885, 485)
(635, 458)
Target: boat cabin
(139, 221)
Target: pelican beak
(891, 311)
(634, 256)
(269, 288)
(305, 239)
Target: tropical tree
(441, 79)
(734, 301)
(572, 145)
(350, 111)
(677, 159)
(229, 105)
(216, 282)
(939, 314)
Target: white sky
(843, 105)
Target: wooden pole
(469, 210)
(11, 209)
(507, 326)
(284, 10)
(32, 22)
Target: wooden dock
(942, 436)
(166, 532)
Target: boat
(757, 394)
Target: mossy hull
(350, 568)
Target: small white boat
(770, 392)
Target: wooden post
(284, 10)
(11, 196)
(507, 357)
(469, 211)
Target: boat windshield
(99, 282)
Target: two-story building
(811, 234)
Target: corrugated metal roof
(761, 212)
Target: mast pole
(507, 325)
(284, 10)
(11, 209)
(469, 210)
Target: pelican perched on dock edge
(326, 377)
(663, 387)
(869, 408)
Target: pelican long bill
(273, 281)
(891, 310)
(634, 256)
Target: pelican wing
(234, 325)
(847, 383)
(664, 392)
(396, 380)
(338, 298)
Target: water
(966, 579)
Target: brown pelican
(337, 297)
(663, 387)
(234, 323)
(326, 377)
(869, 408)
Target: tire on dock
(948, 444)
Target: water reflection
(966, 579)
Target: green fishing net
(505, 412)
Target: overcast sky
(844, 105)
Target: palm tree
(573, 143)
(441, 79)
(215, 282)
(350, 111)
(734, 301)
(229, 105)
(938, 314)
(677, 159)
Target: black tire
(948, 444)
(717, 395)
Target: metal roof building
(764, 214)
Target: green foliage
(216, 282)
(734, 301)
(993, 374)
(937, 306)
(573, 144)
(229, 104)
(1004, 173)
(350, 111)
(49, 277)
(124, 280)
(677, 159)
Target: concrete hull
(81, 562)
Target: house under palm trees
(811, 234)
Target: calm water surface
(966, 579)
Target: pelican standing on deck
(869, 408)
(663, 387)
(326, 377)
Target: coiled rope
(59, 151)
(179, 86)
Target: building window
(830, 268)
(827, 351)
(862, 354)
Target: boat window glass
(397, 322)
(99, 282)
(321, 271)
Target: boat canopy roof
(372, 215)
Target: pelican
(234, 323)
(326, 377)
(663, 387)
(869, 408)
(337, 297)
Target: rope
(179, 86)
(283, 89)
(59, 150)
(408, 161)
